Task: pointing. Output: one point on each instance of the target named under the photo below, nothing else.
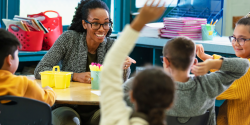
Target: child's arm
(201, 54)
(203, 67)
(230, 93)
(113, 108)
(215, 83)
(34, 91)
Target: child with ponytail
(153, 90)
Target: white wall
(233, 8)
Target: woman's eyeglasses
(96, 26)
(241, 41)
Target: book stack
(183, 26)
(151, 30)
(25, 23)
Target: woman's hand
(84, 77)
(128, 62)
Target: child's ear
(195, 61)
(166, 62)
(8, 60)
(84, 24)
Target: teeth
(100, 35)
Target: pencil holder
(57, 79)
(207, 31)
(95, 80)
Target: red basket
(30, 40)
(54, 26)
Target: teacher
(86, 41)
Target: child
(153, 89)
(11, 84)
(236, 110)
(196, 95)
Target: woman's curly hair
(82, 12)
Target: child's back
(197, 95)
(22, 86)
(18, 85)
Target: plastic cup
(95, 80)
(207, 31)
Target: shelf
(25, 56)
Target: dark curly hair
(82, 12)
(153, 91)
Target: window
(169, 3)
(66, 8)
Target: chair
(23, 111)
(198, 120)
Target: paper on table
(97, 92)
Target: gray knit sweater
(70, 50)
(197, 95)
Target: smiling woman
(86, 41)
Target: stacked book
(183, 26)
(151, 29)
(25, 23)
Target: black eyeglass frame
(110, 25)
(237, 40)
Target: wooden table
(77, 93)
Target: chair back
(23, 111)
(197, 120)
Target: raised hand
(148, 13)
(201, 54)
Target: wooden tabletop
(77, 93)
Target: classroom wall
(233, 8)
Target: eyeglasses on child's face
(96, 26)
(241, 41)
